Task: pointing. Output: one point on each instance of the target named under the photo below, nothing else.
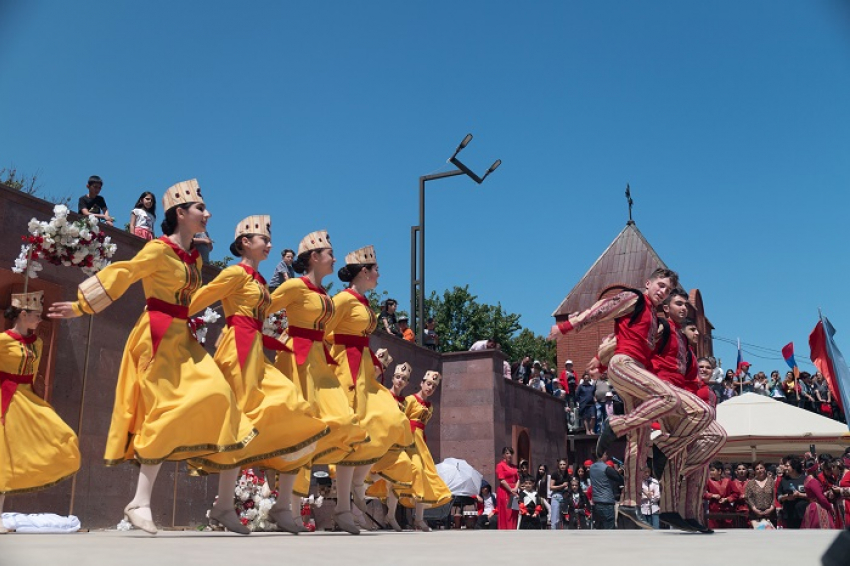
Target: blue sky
(729, 120)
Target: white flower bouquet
(80, 243)
(199, 324)
(275, 324)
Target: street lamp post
(417, 278)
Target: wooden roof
(627, 261)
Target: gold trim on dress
(201, 462)
(209, 448)
(40, 487)
(404, 484)
(94, 293)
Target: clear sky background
(729, 119)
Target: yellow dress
(395, 466)
(372, 403)
(171, 400)
(310, 313)
(37, 448)
(427, 487)
(268, 398)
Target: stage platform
(190, 548)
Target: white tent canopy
(763, 428)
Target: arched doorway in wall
(522, 442)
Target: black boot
(630, 513)
(675, 521)
(699, 526)
(607, 437)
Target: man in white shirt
(487, 344)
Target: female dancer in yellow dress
(394, 472)
(310, 312)
(37, 448)
(266, 396)
(358, 369)
(428, 490)
(171, 400)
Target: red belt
(354, 346)
(245, 328)
(161, 314)
(414, 424)
(8, 385)
(302, 341)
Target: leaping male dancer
(646, 398)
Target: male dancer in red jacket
(645, 397)
(675, 363)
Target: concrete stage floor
(189, 548)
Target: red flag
(818, 343)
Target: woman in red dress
(820, 514)
(508, 478)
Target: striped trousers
(683, 482)
(646, 399)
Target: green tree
(222, 263)
(461, 320)
(527, 343)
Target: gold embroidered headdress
(29, 301)
(318, 240)
(257, 224)
(363, 256)
(403, 369)
(384, 357)
(182, 193)
(433, 376)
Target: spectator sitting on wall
(92, 204)
(284, 269)
(431, 339)
(143, 216)
(487, 344)
(204, 244)
(536, 379)
(387, 319)
(405, 330)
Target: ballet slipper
(285, 521)
(132, 516)
(394, 524)
(345, 521)
(422, 525)
(358, 495)
(229, 520)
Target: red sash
(244, 329)
(161, 314)
(354, 346)
(414, 424)
(302, 341)
(8, 386)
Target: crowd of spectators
(801, 492)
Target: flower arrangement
(253, 498)
(79, 243)
(275, 325)
(199, 325)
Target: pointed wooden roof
(627, 261)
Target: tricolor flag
(788, 354)
(829, 361)
(741, 363)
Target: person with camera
(792, 494)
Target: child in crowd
(143, 216)
(530, 505)
(486, 508)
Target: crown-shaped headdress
(363, 256)
(257, 224)
(318, 240)
(182, 193)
